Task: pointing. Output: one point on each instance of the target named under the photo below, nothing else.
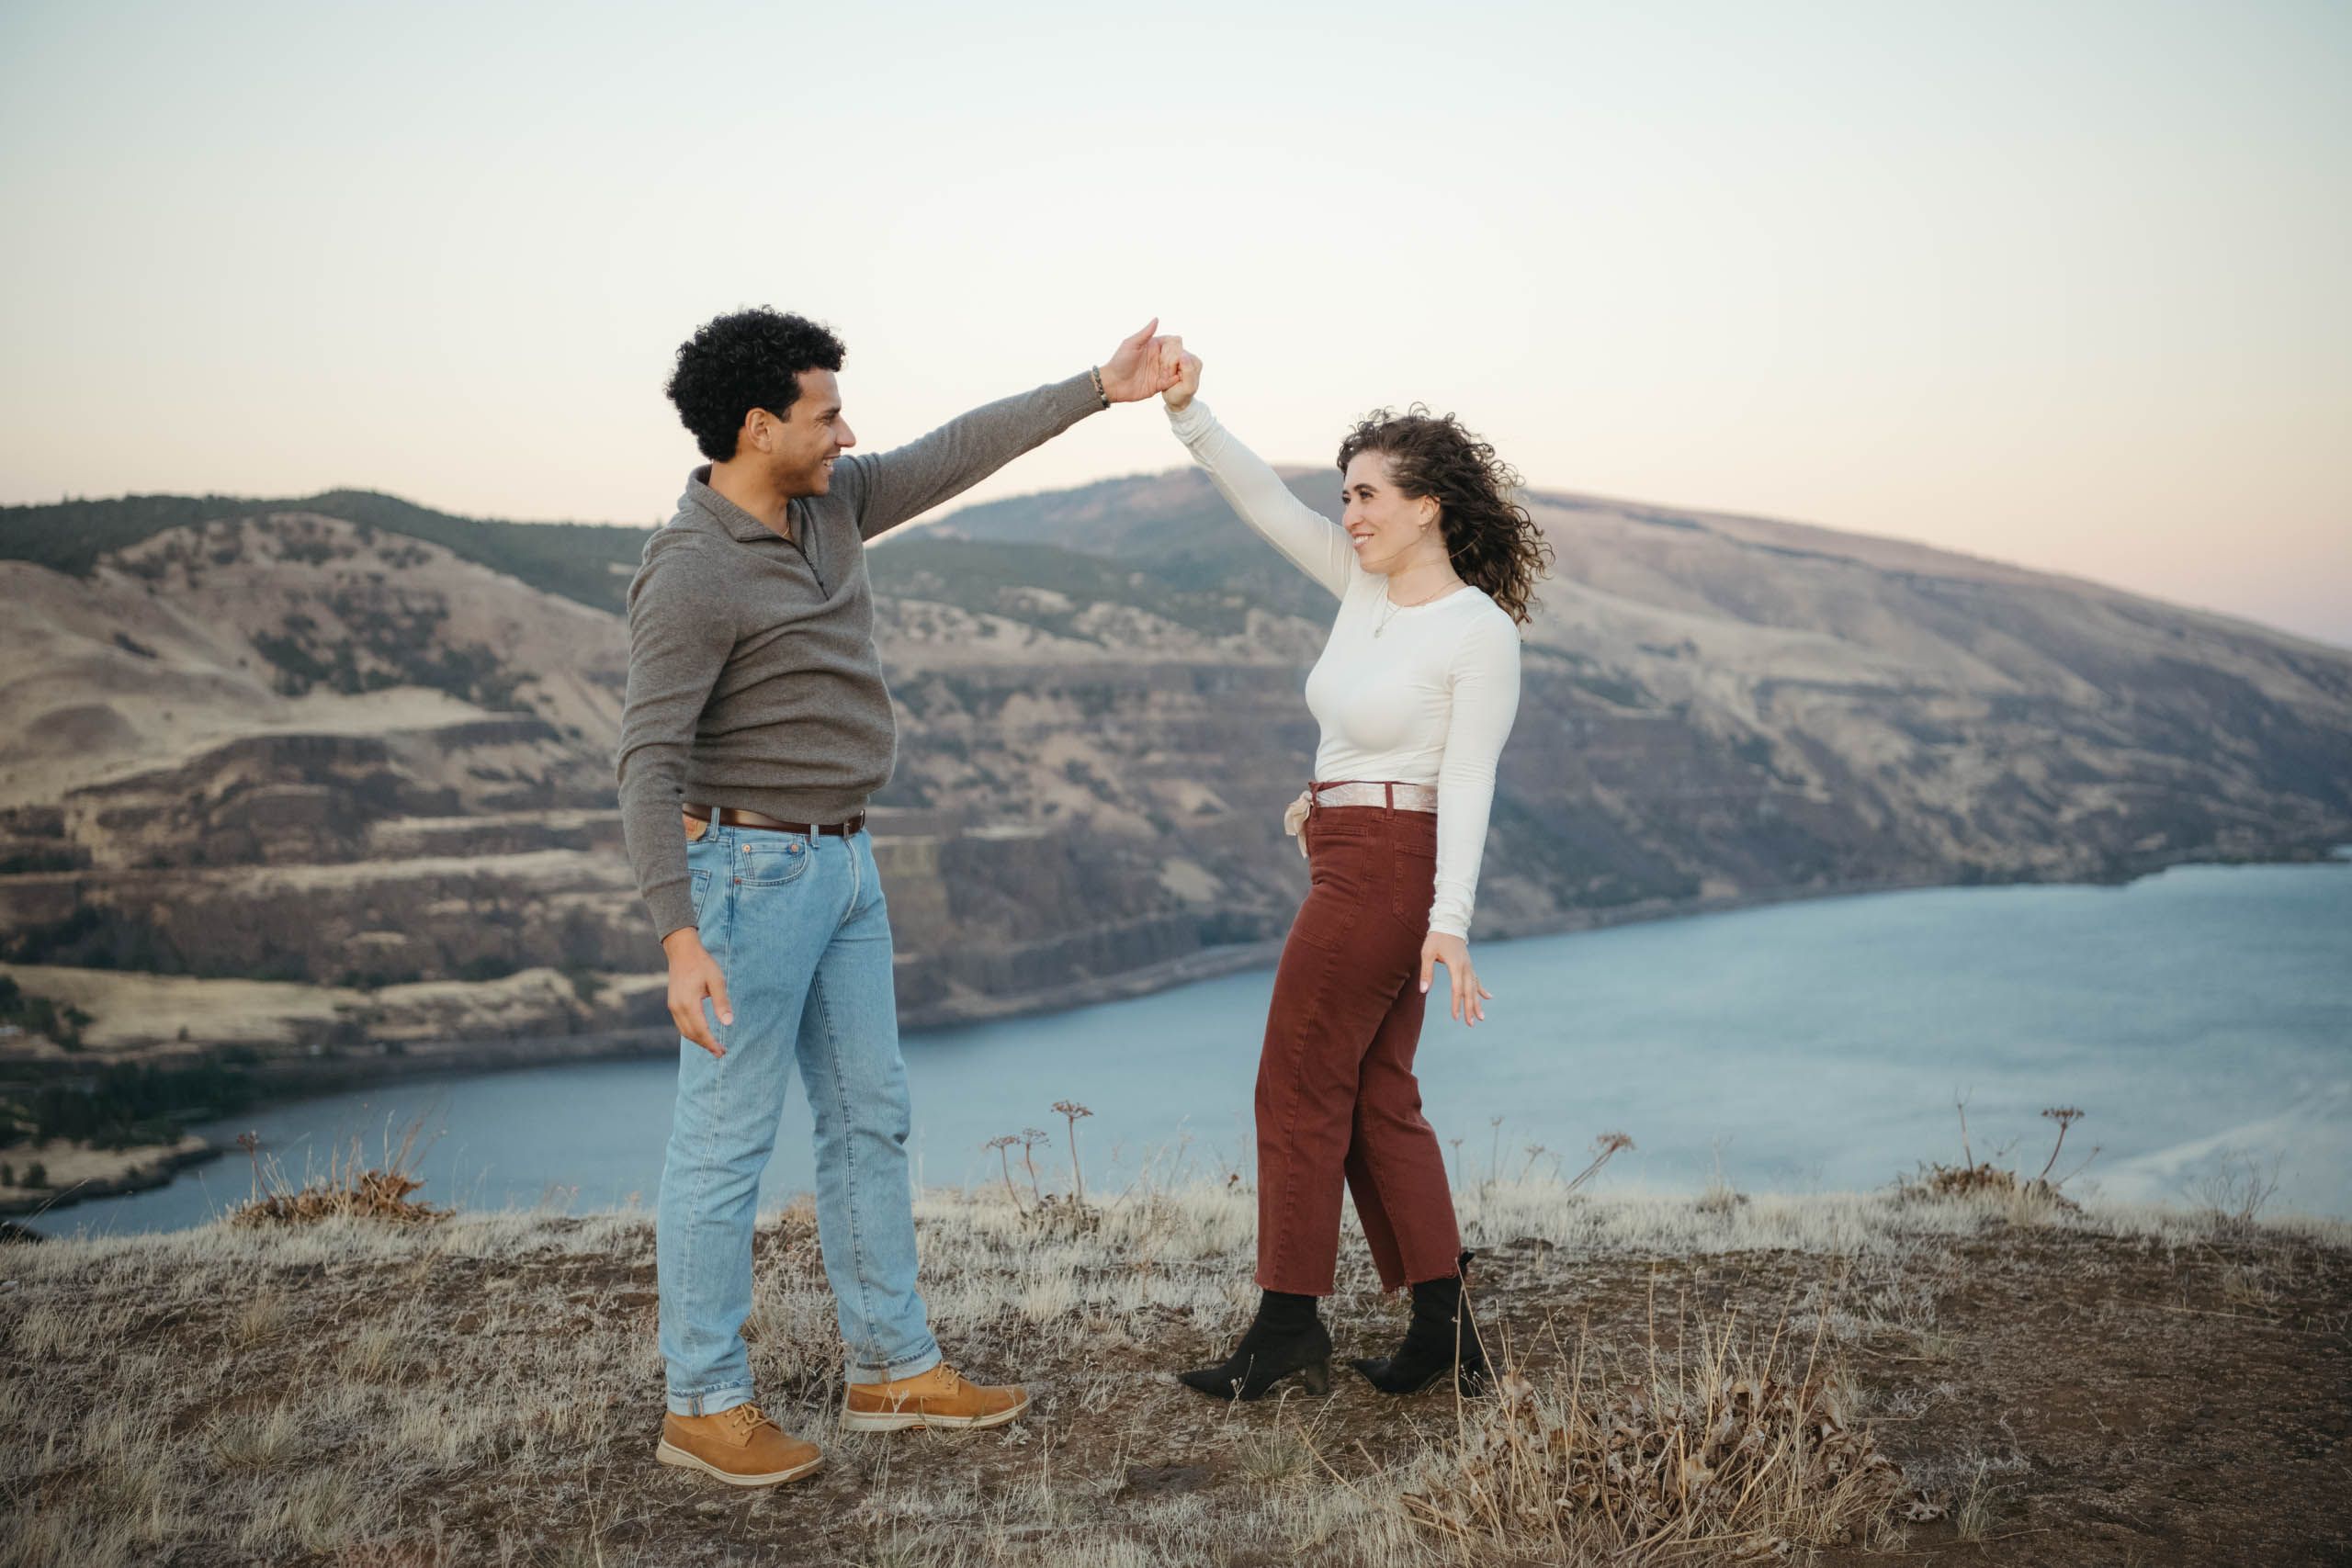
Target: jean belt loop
(1388, 813)
(1314, 796)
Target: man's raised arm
(888, 488)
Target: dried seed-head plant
(1603, 1148)
(1000, 1144)
(2065, 1116)
(1072, 1110)
(1030, 1138)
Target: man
(756, 725)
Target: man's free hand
(695, 975)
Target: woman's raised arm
(1312, 542)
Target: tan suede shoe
(739, 1446)
(939, 1398)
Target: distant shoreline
(77, 1173)
(287, 1080)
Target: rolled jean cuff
(913, 1364)
(711, 1401)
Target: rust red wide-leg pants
(1337, 1099)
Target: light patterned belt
(1406, 797)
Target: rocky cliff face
(1724, 704)
(297, 748)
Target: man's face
(800, 447)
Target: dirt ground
(2075, 1392)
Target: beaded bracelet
(1095, 372)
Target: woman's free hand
(1469, 997)
(1184, 367)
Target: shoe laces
(939, 1378)
(742, 1420)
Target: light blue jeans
(798, 928)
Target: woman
(1432, 564)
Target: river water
(2201, 1019)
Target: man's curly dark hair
(750, 359)
(1494, 543)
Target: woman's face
(1385, 523)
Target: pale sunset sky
(2061, 283)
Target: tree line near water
(39, 1015)
(123, 1104)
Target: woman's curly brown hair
(1494, 544)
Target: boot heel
(1317, 1376)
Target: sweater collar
(739, 523)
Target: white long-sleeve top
(1429, 700)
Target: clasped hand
(1140, 367)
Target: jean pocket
(697, 888)
(762, 865)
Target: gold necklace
(1390, 606)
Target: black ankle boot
(1441, 1319)
(1285, 1338)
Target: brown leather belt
(736, 817)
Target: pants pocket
(1412, 884)
(773, 861)
(1342, 882)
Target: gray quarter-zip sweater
(752, 676)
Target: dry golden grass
(1735, 1452)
